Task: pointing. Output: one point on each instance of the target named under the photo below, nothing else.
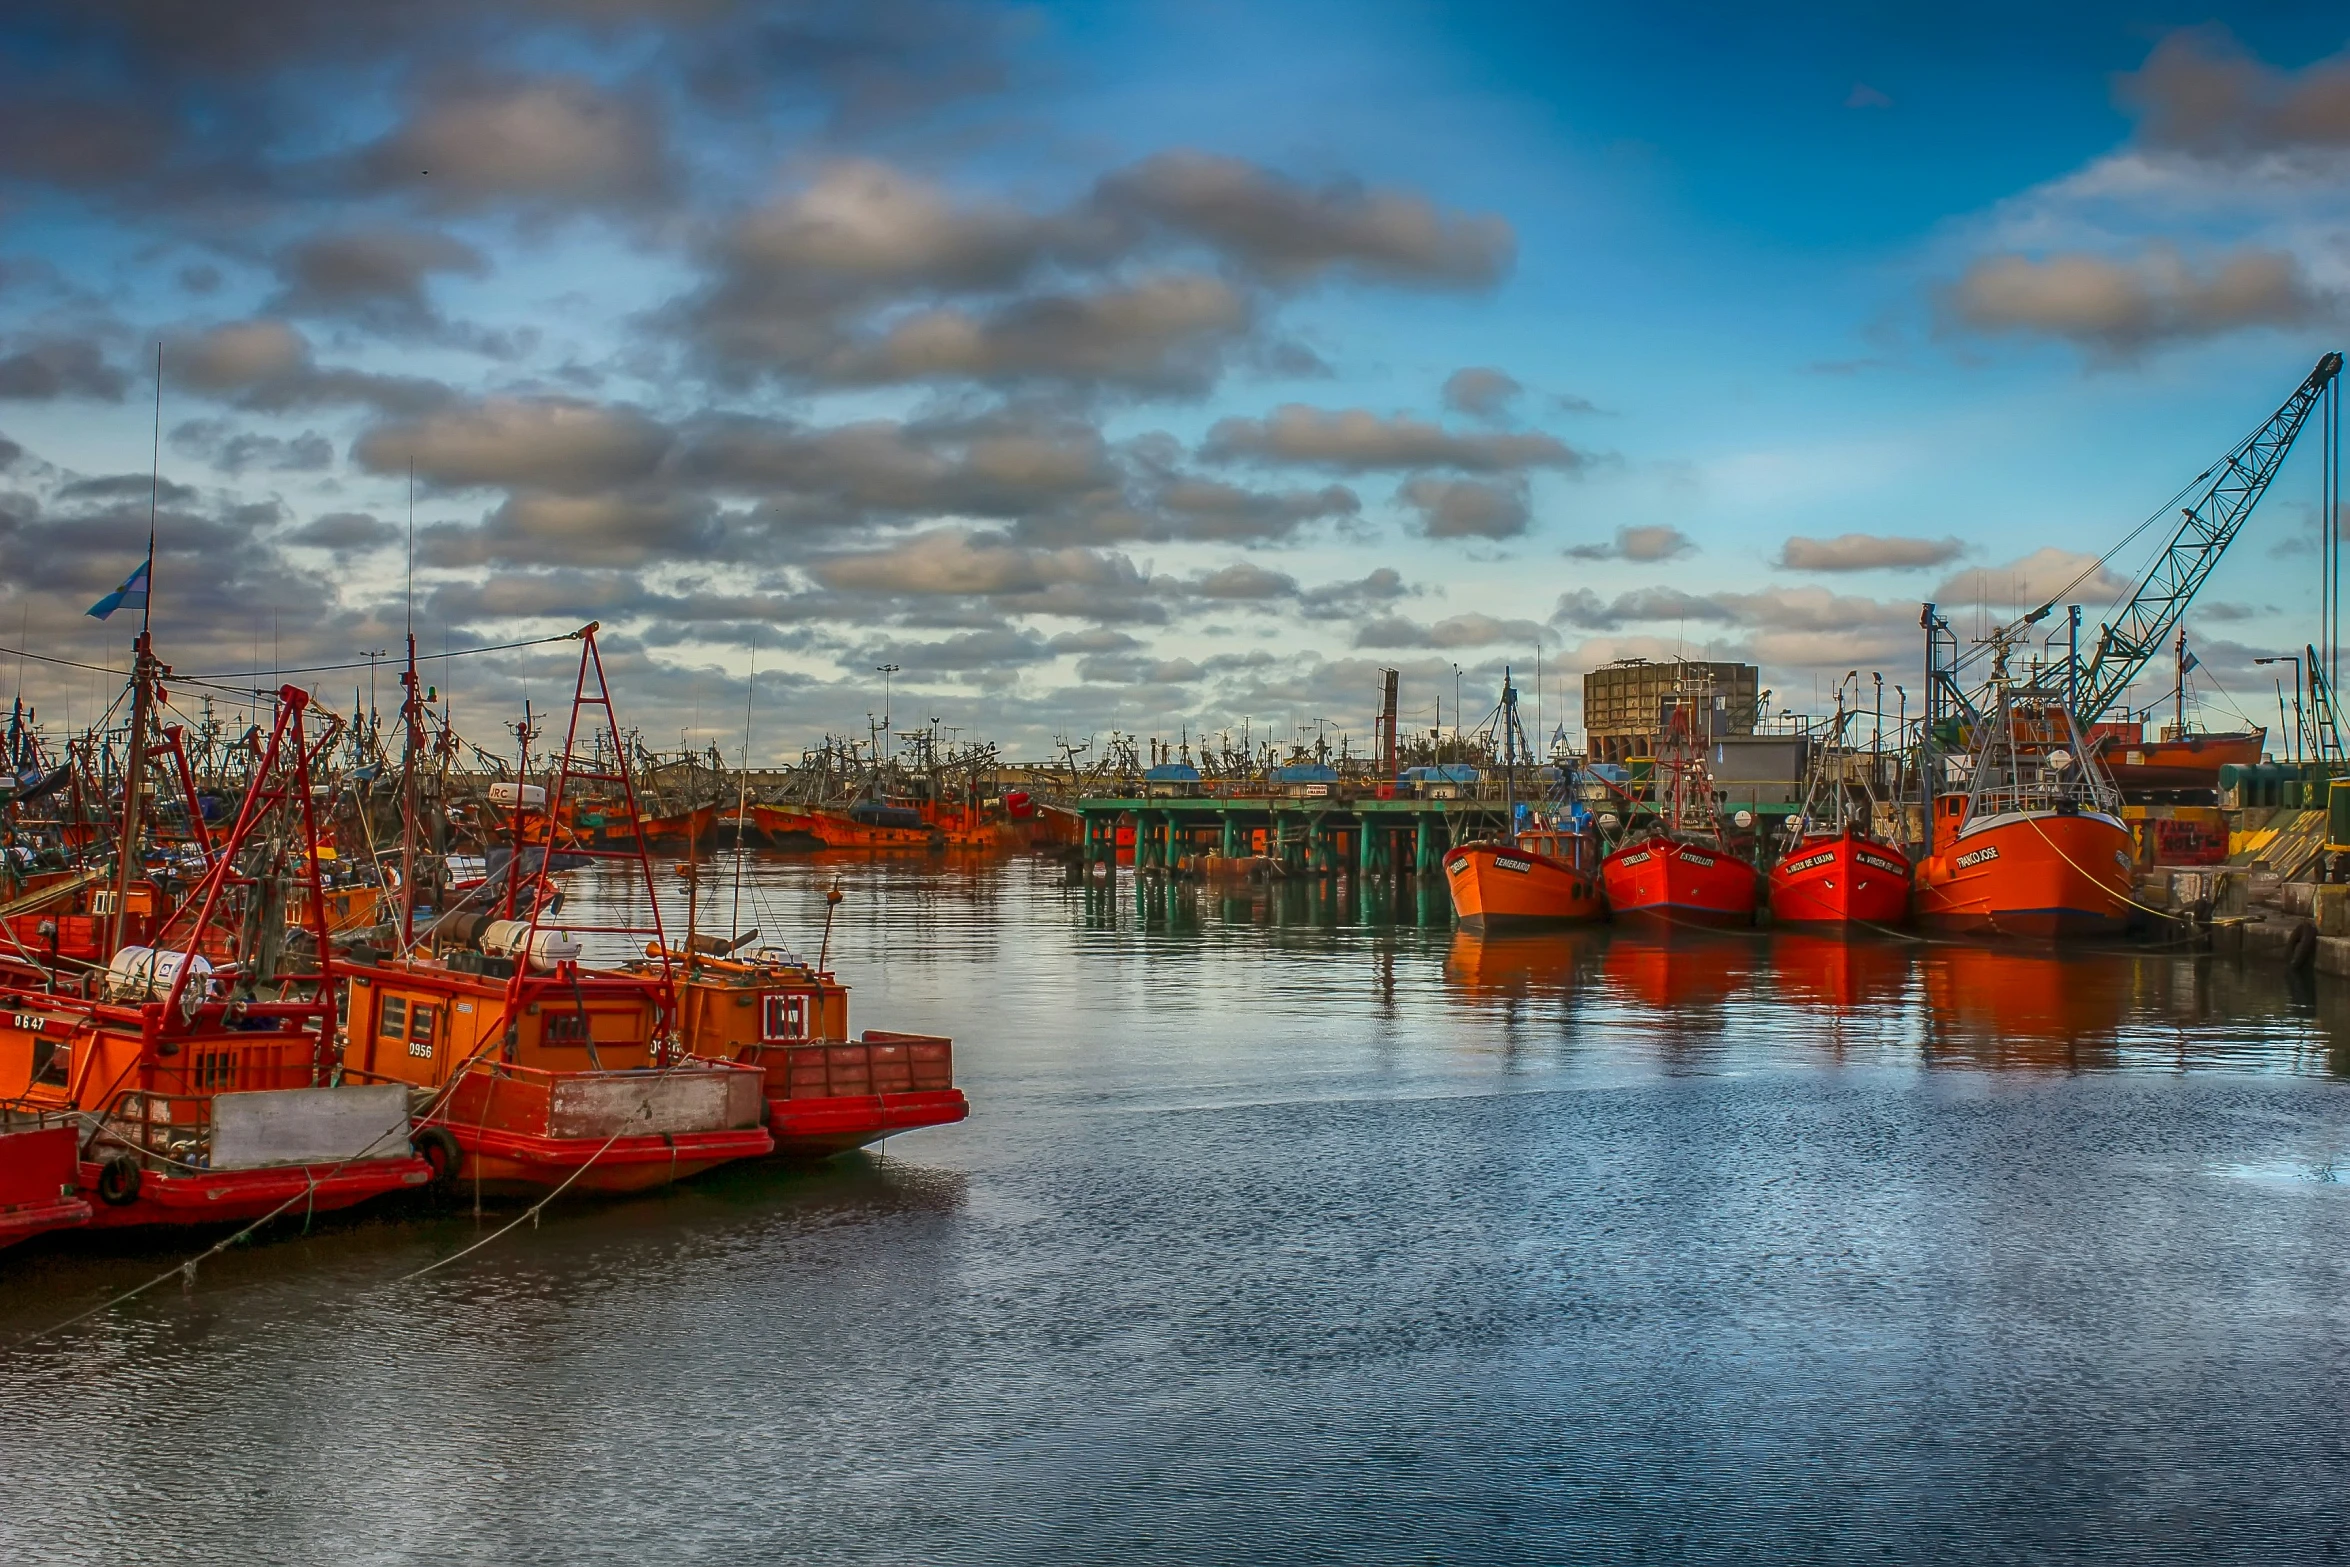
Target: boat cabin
(418, 1019)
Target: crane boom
(2236, 483)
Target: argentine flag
(131, 595)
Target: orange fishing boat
(2177, 758)
(1548, 875)
(1544, 877)
(860, 827)
(2035, 846)
(543, 1074)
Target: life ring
(437, 1147)
(119, 1179)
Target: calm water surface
(1293, 1228)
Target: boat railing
(163, 1131)
(876, 1063)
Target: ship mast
(143, 673)
(2179, 692)
(412, 726)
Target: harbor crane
(2223, 496)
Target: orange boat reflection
(1847, 975)
(1505, 967)
(1678, 969)
(2014, 1006)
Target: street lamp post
(2293, 736)
(1456, 712)
(885, 671)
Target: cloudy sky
(1140, 366)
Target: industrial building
(1625, 704)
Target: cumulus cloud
(1355, 440)
(556, 444)
(372, 274)
(959, 561)
(1583, 607)
(1481, 392)
(2200, 91)
(267, 366)
(1647, 542)
(1106, 289)
(2116, 308)
(1457, 631)
(1469, 508)
(1211, 509)
(1867, 552)
(1291, 230)
(557, 143)
(2032, 580)
(344, 534)
(44, 369)
(605, 528)
(1166, 334)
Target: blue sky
(1145, 367)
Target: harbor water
(1290, 1225)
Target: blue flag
(2189, 662)
(131, 595)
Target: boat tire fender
(119, 1180)
(2301, 950)
(437, 1147)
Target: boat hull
(1844, 880)
(525, 1132)
(1496, 886)
(827, 1097)
(521, 1164)
(1663, 880)
(2042, 875)
(821, 1128)
(242, 1196)
(2190, 763)
(40, 1188)
(833, 831)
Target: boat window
(423, 1025)
(567, 1028)
(783, 1015)
(395, 1018)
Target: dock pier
(1328, 835)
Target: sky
(1152, 368)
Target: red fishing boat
(39, 1171)
(1836, 870)
(825, 1093)
(1678, 868)
(202, 1064)
(1548, 875)
(2035, 845)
